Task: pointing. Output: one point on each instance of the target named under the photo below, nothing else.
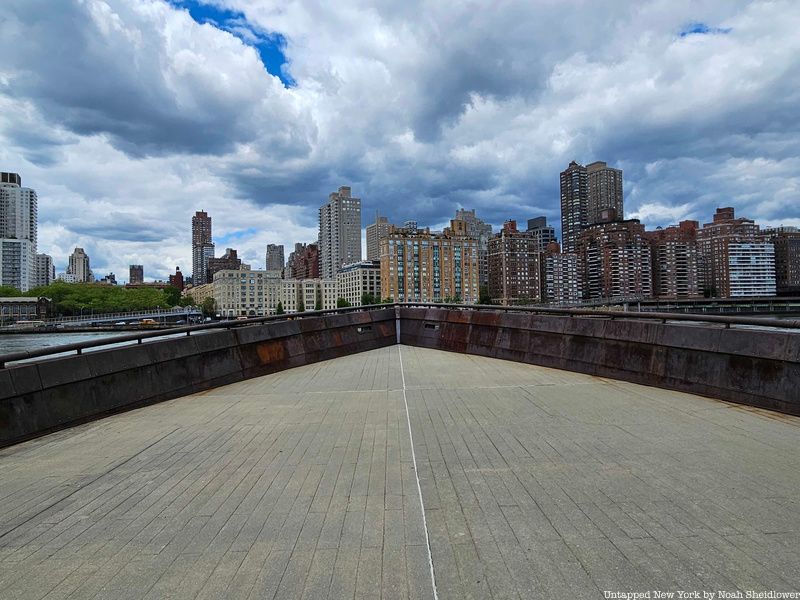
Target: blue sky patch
(269, 45)
(232, 236)
(702, 29)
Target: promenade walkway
(536, 483)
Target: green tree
(209, 307)
(172, 296)
(367, 299)
(483, 295)
(342, 303)
(318, 305)
(301, 307)
(80, 298)
(279, 309)
(387, 301)
(7, 291)
(186, 300)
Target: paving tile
(536, 484)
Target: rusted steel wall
(45, 396)
(759, 368)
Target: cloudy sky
(127, 116)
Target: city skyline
(331, 212)
(488, 133)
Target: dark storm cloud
(38, 146)
(501, 52)
(153, 92)
(121, 227)
(422, 108)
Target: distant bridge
(165, 315)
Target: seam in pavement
(416, 476)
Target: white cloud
(661, 213)
(127, 115)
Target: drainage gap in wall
(364, 328)
(431, 325)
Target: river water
(19, 342)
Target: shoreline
(108, 329)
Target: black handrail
(616, 314)
(78, 347)
(572, 312)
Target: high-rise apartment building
(481, 231)
(339, 232)
(304, 262)
(514, 266)
(614, 261)
(574, 204)
(589, 195)
(135, 274)
(560, 284)
(18, 233)
(202, 247)
(417, 265)
(675, 261)
(376, 231)
(245, 292)
(45, 270)
(275, 260)
(713, 242)
(356, 280)
(604, 193)
(253, 293)
(751, 269)
(229, 260)
(79, 268)
(787, 258)
(303, 295)
(543, 233)
(16, 267)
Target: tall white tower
(79, 267)
(339, 232)
(18, 231)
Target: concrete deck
(301, 484)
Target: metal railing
(79, 347)
(727, 322)
(662, 317)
